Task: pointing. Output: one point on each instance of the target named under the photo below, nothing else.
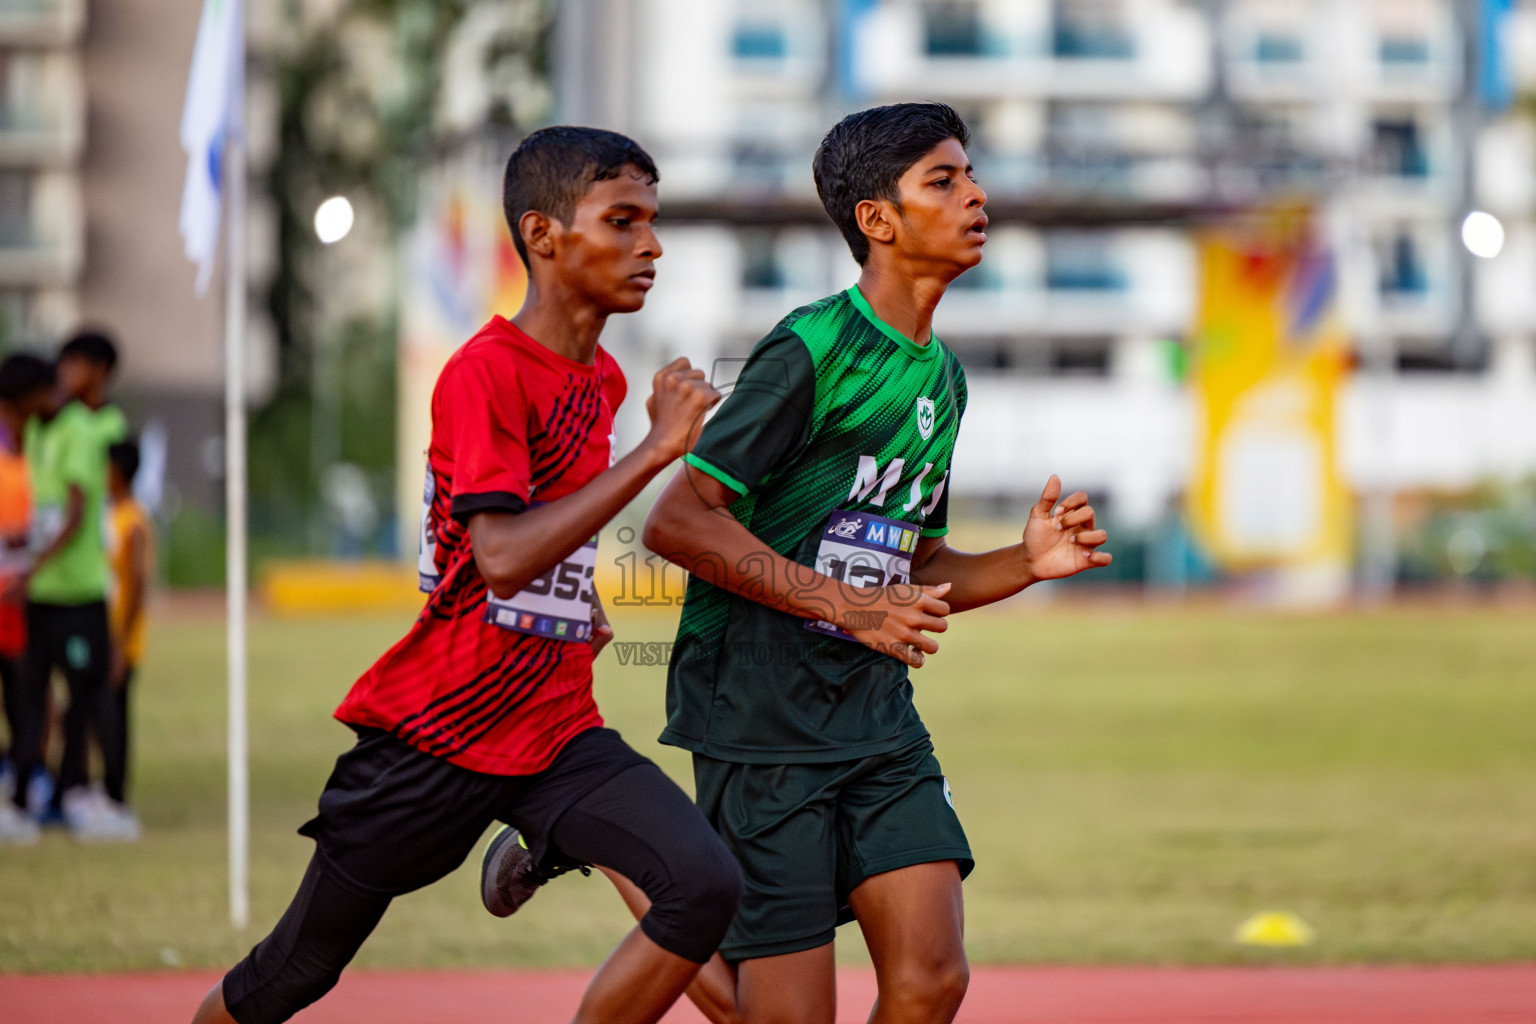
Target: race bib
(864, 550)
(426, 552)
(558, 604)
(47, 523)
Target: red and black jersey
(513, 425)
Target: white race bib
(864, 550)
(558, 604)
(47, 524)
(426, 551)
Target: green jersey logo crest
(925, 417)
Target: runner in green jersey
(844, 428)
(812, 516)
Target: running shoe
(17, 827)
(508, 877)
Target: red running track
(1034, 995)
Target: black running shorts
(394, 819)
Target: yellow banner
(1269, 355)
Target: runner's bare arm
(132, 598)
(602, 630)
(691, 525)
(1059, 540)
(74, 513)
(512, 550)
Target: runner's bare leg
(796, 988)
(713, 991)
(913, 921)
(211, 1010)
(637, 984)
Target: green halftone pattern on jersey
(833, 410)
(868, 385)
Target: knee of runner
(711, 886)
(315, 976)
(691, 916)
(294, 984)
(933, 989)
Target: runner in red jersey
(513, 425)
(484, 712)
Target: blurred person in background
(66, 451)
(130, 541)
(26, 388)
(86, 365)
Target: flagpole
(235, 506)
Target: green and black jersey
(838, 436)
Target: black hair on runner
(554, 167)
(865, 154)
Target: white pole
(235, 508)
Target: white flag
(215, 95)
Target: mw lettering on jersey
(869, 476)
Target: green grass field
(1135, 782)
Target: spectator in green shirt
(66, 451)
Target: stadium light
(333, 219)
(1482, 234)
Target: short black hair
(125, 456)
(553, 168)
(94, 346)
(24, 374)
(865, 155)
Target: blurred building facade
(1109, 134)
(90, 187)
(42, 130)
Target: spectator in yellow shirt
(130, 538)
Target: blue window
(953, 30)
(756, 41)
(1397, 149)
(1402, 271)
(1272, 48)
(1090, 29)
(974, 280)
(1403, 51)
(1071, 41)
(760, 264)
(1074, 266)
(16, 207)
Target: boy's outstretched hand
(1060, 539)
(679, 398)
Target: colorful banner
(460, 269)
(1269, 355)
